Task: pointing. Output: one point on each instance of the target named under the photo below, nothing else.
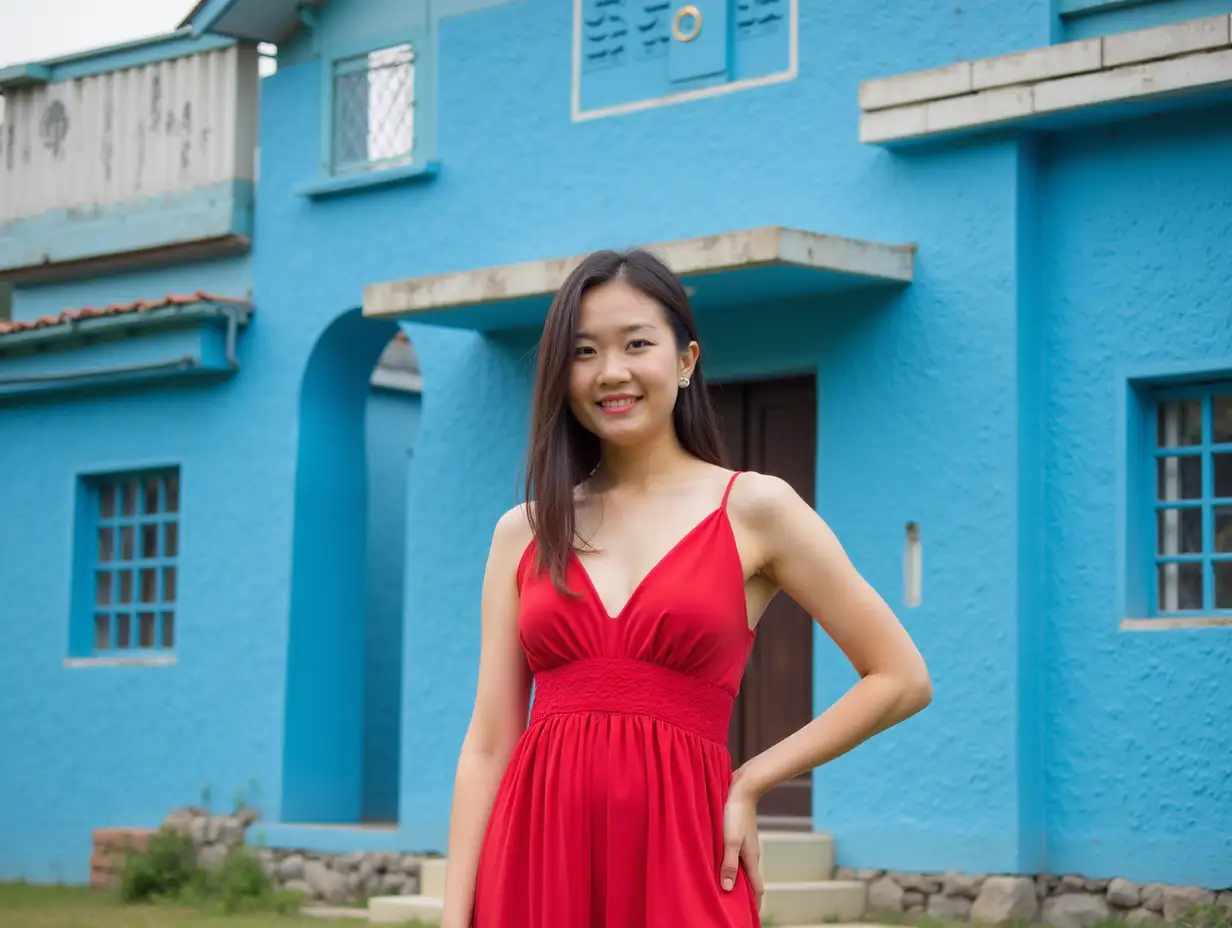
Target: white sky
(31, 30)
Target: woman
(629, 592)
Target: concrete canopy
(766, 264)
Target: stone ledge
(815, 262)
(1070, 901)
(1193, 56)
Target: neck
(643, 465)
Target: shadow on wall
(340, 746)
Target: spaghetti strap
(727, 492)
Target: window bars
(374, 109)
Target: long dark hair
(562, 452)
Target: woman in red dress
(628, 593)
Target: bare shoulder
(760, 500)
(512, 533)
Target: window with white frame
(1192, 503)
(373, 109)
(133, 547)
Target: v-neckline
(594, 592)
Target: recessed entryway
(770, 426)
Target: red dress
(610, 813)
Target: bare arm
(803, 558)
(498, 720)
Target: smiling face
(626, 367)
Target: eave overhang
(748, 266)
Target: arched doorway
(342, 725)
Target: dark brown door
(771, 427)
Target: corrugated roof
(69, 316)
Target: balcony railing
(127, 166)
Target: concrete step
(807, 902)
(334, 912)
(796, 856)
(842, 925)
(398, 910)
(800, 903)
(432, 877)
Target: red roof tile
(116, 309)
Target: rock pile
(1060, 901)
(332, 878)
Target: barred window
(133, 520)
(1191, 447)
(374, 109)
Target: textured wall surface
(392, 426)
(925, 406)
(1136, 232)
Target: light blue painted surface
(323, 752)
(1085, 19)
(231, 277)
(185, 340)
(1111, 746)
(392, 427)
(626, 53)
(1135, 722)
(215, 211)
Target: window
(372, 123)
(1192, 501)
(132, 554)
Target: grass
(24, 905)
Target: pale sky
(31, 30)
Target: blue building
(961, 272)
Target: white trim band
(1188, 57)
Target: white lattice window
(372, 123)
(1191, 504)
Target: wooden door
(771, 427)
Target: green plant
(1206, 916)
(168, 872)
(162, 871)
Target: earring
(684, 381)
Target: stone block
(1123, 893)
(932, 84)
(1036, 64)
(122, 839)
(1180, 900)
(949, 908)
(980, 109)
(962, 885)
(1166, 41)
(902, 122)
(1153, 897)
(1134, 81)
(1143, 918)
(1005, 899)
(1075, 910)
(885, 895)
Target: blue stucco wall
(392, 425)
(932, 409)
(563, 188)
(85, 747)
(1137, 222)
(221, 277)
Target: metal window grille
(136, 547)
(374, 109)
(1192, 502)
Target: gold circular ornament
(696, 28)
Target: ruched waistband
(631, 687)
